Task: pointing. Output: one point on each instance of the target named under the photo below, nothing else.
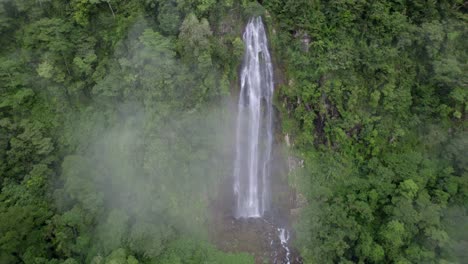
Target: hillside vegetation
(111, 147)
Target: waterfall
(254, 127)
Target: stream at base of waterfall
(267, 238)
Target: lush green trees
(106, 109)
(109, 124)
(371, 106)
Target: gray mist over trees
(149, 184)
(150, 163)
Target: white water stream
(254, 125)
(284, 238)
(254, 133)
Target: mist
(150, 183)
(150, 158)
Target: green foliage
(194, 39)
(98, 97)
(253, 9)
(372, 103)
(189, 251)
(72, 74)
(169, 17)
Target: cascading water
(254, 125)
(284, 238)
(261, 234)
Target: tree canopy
(113, 122)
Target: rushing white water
(284, 238)
(254, 125)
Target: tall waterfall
(254, 125)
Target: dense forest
(114, 116)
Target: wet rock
(295, 212)
(301, 200)
(294, 163)
(305, 39)
(286, 139)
